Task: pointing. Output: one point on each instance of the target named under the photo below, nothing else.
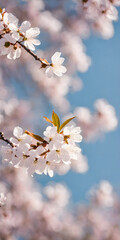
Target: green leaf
(37, 137)
(56, 120)
(65, 123)
(48, 120)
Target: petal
(10, 39)
(13, 27)
(10, 55)
(78, 138)
(13, 140)
(29, 45)
(17, 132)
(17, 53)
(52, 155)
(61, 60)
(50, 172)
(41, 166)
(2, 42)
(35, 42)
(63, 69)
(59, 70)
(55, 57)
(32, 32)
(49, 72)
(31, 170)
(66, 131)
(10, 18)
(16, 35)
(5, 17)
(25, 26)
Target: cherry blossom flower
(58, 155)
(74, 151)
(30, 40)
(9, 18)
(56, 66)
(20, 137)
(19, 32)
(50, 132)
(49, 169)
(35, 162)
(73, 134)
(9, 47)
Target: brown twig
(43, 62)
(31, 53)
(5, 139)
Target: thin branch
(1, 35)
(6, 140)
(31, 53)
(43, 62)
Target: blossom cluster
(103, 194)
(13, 37)
(99, 14)
(44, 155)
(103, 120)
(31, 212)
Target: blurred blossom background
(101, 81)
(74, 203)
(90, 90)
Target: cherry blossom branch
(48, 154)
(44, 62)
(6, 140)
(24, 36)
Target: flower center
(35, 161)
(7, 44)
(66, 138)
(58, 151)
